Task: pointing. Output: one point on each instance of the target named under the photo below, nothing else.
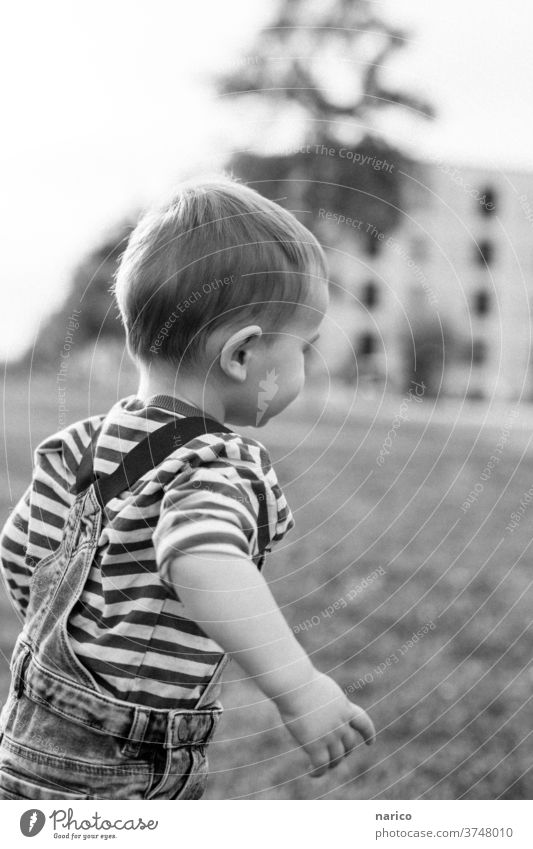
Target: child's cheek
(298, 380)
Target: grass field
(452, 706)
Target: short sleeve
(214, 508)
(15, 568)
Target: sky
(107, 104)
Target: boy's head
(218, 273)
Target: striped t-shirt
(129, 629)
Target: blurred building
(456, 272)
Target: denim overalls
(61, 738)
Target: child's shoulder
(55, 439)
(78, 434)
(233, 446)
(69, 442)
(234, 456)
(214, 461)
(72, 438)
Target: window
(372, 242)
(487, 201)
(367, 344)
(484, 252)
(479, 352)
(482, 302)
(369, 294)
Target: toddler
(134, 556)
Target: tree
(90, 296)
(321, 67)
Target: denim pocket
(18, 786)
(196, 783)
(179, 773)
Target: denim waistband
(107, 715)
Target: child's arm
(231, 601)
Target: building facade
(449, 290)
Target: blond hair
(218, 253)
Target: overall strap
(147, 454)
(263, 528)
(84, 474)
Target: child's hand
(325, 723)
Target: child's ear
(236, 352)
